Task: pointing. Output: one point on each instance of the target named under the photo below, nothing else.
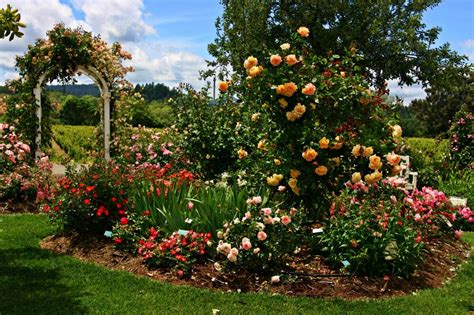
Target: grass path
(35, 281)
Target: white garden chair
(409, 176)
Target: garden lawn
(36, 281)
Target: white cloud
(407, 93)
(39, 16)
(116, 20)
(166, 67)
(468, 49)
(165, 61)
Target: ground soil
(26, 206)
(441, 261)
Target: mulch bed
(9, 207)
(440, 263)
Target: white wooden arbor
(105, 117)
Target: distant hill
(76, 89)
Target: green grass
(430, 149)
(35, 281)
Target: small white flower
(275, 279)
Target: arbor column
(106, 98)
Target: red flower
(180, 273)
(146, 212)
(118, 205)
(124, 221)
(118, 241)
(90, 188)
(87, 201)
(113, 199)
(56, 208)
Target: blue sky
(169, 38)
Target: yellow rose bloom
(368, 151)
(397, 133)
(261, 145)
(291, 116)
(321, 170)
(324, 143)
(274, 180)
(285, 46)
(373, 178)
(356, 150)
(337, 161)
(299, 110)
(277, 162)
(293, 182)
(250, 62)
(242, 153)
(295, 173)
(356, 177)
(282, 102)
(396, 170)
(309, 154)
(375, 162)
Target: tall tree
(389, 34)
(443, 101)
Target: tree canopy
(390, 35)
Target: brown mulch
(440, 263)
(10, 207)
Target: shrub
(90, 200)
(461, 140)
(459, 184)
(380, 229)
(261, 239)
(209, 130)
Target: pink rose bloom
(190, 205)
(458, 234)
(232, 258)
(257, 200)
(285, 220)
(248, 215)
(261, 236)
(246, 245)
(393, 199)
(293, 211)
(256, 251)
(267, 211)
(417, 217)
(268, 220)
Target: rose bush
(315, 122)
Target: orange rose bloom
(287, 89)
(324, 143)
(309, 154)
(309, 89)
(321, 170)
(275, 60)
(303, 31)
(254, 71)
(242, 153)
(291, 116)
(291, 60)
(295, 173)
(393, 159)
(250, 62)
(223, 86)
(299, 110)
